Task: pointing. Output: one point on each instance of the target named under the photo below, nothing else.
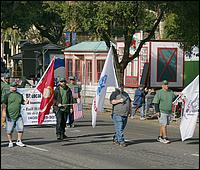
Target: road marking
(195, 154)
(36, 148)
(74, 130)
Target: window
(89, 71)
(100, 64)
(78, 70)
(69, 68)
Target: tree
(122, 19)
(182, 23)
(44, 15)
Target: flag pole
(44, 73)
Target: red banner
(46, 87)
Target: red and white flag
(46, 87)
(78, 110)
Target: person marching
(11, 108)
(76, 99)
(121, 107)
(163, 107)
(62, 106)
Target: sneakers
(19, 143)
(142, 118)
(115, 142)
(58, 136)
(10, 145)
(159, 139)
(132, 117)
(123, 144)
(163, 140)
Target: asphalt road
(92, 148)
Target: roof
(90, 46)
(41, 46)
(52, 47)
(17, 56)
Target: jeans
(119, 123)
(60, 122)
(142, 110)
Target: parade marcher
(139, 102)
(62, 106)
(5, 89)
(121, 107)
(163, 107)
(24, 82)
(12, 108)
(5, 86)
(76, 99)
(149, 101)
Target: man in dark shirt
(62, 105)
(121, 108)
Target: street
(92, 148)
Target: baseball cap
(62, 80)
(165, 82)
(13, 84)
(71, 78)
(7, 76)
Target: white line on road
(195, 154)
(36, 148)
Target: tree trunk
(120, 75)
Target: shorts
(164, 118)
(11, 124)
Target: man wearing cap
(62, 106)
(5, 86)
(163, 107)
(11, 108)
(121, 107)
(5, 89)
(76, 99)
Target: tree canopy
(106, 20)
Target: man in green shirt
(163, 107)
(11, 108)
(5, 86)
(62, 106)
(5, 89)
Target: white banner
(190, 96)
(30, 111)
(107, 78)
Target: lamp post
(43, 58)
(37, 53)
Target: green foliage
(182, 23)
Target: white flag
(191, 109)
(107, 78)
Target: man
(121, 107)
(76, 99)
(11, 108)
(5, 86)
(163, 107)
(148, 101)
(139, 102)
(62, 105)
(5, 89)
(24, 82)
